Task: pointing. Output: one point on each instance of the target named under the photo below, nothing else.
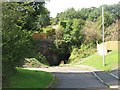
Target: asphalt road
(78, 77)
(78, 80)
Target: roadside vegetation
(19, 21)
(31, 79)
(78, 54)
(73, 39)
(96, 61)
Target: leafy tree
(108, 19)
(68, 28)
(35, 15)
(67, 14)
(76, 31)
(91, 33)
(94, 14)
(70, 13)
(114, 10)
(83, 13)
(17, 44)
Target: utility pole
(103, 36)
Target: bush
(41, 58)
(83, 52)
(33, 63)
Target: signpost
(103, 36)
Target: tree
(91, 33)
(83, 13)
(67, 14)
(35, 15)
(108, 19)
(76, 31)
(17, 43)
(94, 14)
(114, 10)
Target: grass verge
(31, 79)
(111, 61)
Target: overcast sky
(57, 6)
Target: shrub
(41, 58)
(83, 52)
(33, 63)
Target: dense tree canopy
(84, 26)
(72, 16)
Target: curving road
(76, 77)
(78, 80)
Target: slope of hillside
(111, 61)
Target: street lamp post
(103, 36)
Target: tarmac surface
(78, 80)
(81, 78)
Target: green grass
(111, 61)
(31, 79)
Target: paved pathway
(80, 77)
(107, 79)
(72, 77)
(116, 73)
(67, 68)
(78, 80)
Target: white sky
(57, 6)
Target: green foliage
(49, 31)
(113, 9)
(76, 30)
(72, 33)
(78, 54)
(67, 14)
(68, 26)
(94, 14)
(59, 33)
(35, 14)
(16, 42)
(18, 21)
(41, 58)
(83, 13)
(108, 19)
(111, 32)
(91, 33)
(34, 63)
(80, 19)
(63, 24)
(77, 27)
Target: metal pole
(103, 36)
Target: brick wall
(39, 36)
